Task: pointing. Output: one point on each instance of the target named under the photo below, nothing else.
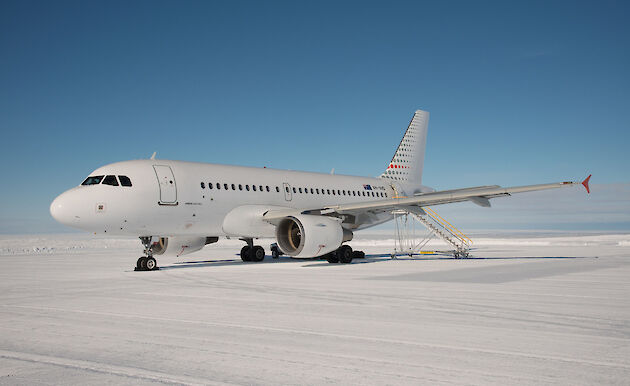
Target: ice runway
(527, 310)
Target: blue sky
(519, 93)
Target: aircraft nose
(60, 209)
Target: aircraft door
(287, 191)
(166, 182)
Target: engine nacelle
(177, 246)
(304, 236)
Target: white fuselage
(194, 201)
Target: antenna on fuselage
(153, 155)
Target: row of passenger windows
(107, 180)
(240, 187)
(261, 188)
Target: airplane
(178, 207)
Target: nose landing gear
(148, 262)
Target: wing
(479, 195)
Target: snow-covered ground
(528, 309)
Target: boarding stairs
(407, 243)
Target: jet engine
(177, 246)
(304, 236)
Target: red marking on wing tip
(585, 183)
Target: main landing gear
(148, 262)
(252, 252)
(344, 255)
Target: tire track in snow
(338, 335)
(103, 368)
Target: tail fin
(406, 165)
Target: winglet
(585, 183)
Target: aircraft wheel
(141, 264)
(358, 255)
(245, 253)
(257, 254)
(151, 264)
(344, 254)
(332, 258)
(274, 251)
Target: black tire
(141, 264)
(257, 254)
(332, 258)
(344, 254)
(150, 264)
(358, 255)
(274, 253)
(245, 253)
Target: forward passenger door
(166, 182)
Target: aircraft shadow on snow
(369, 259)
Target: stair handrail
(456, 232)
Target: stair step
(458, 242)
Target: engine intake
(305, 236)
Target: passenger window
(233, 187)
(203, 185)
(277, 189)
(286, 188)
(294, 190)
(92, 180)
(218, 185)
(333, 192)
(328, 191)
(317, 190)
(300, 189)
(240, 187)
(338, 192)
(311, 190)
(260, 188)
(209, 185)
(344, 192)
(247, 187)
(254, 188)
(124, 180)
(354, 193)
(110, 180)
(225, 186)
(267, 187)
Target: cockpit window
(92, 180)
(110, 180)
(124, 180)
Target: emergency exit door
(287, 191)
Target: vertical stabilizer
(406, 165)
